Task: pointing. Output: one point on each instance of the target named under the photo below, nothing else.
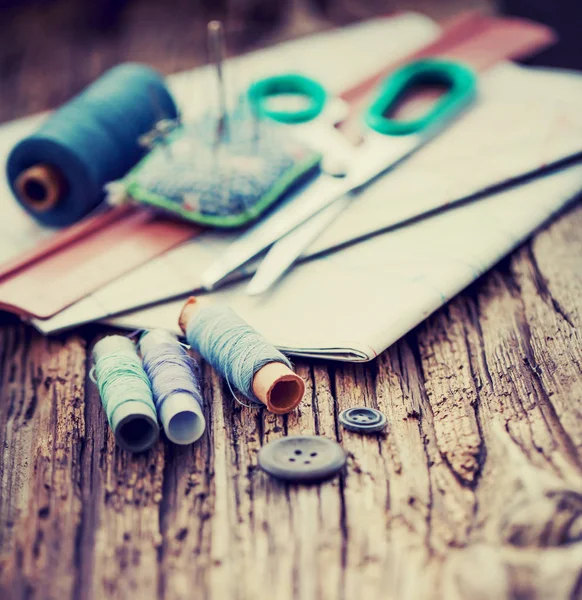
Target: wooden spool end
(275, 385)
(278, 388)
(188, 311)
(40, 188)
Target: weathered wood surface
(474, 492)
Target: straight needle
(216, 51)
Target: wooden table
(474, 492)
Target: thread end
(135, 426)
(40, 187)
(188, 310)
(182, 419)
(278, 388)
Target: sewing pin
(216, 51)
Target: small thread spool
(125, 393)
(177, 394)
(256, 368)
(58, 173)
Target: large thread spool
(58, 173)
(248, 362)
(173, 374)
(126, 393)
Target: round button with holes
(363, 419)
(302, 458)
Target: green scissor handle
(460, 81)
(282, 85)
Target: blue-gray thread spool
(174, 376)
(58, 172)
(242, 356)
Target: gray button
(363, 419)
(302, 458)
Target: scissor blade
(377, 154)
(288, 249)
(307, 201)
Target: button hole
(307, 462)
(313, 454)
(297, 451)
(292, 460)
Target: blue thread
(93, 139)
(174, 376)
(231, 346)
(171, 370)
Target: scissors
(343, 173)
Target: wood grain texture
(474, 491)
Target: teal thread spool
(126, 393)
(58, 172)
